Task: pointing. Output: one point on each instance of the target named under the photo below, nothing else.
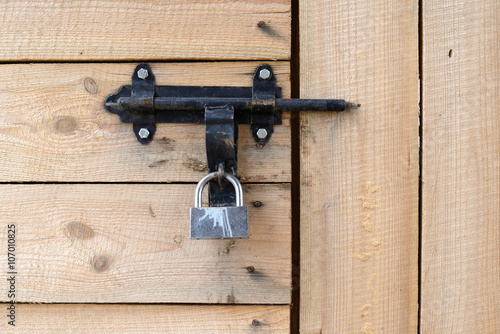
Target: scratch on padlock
(220, 219)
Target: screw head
(142, 73)
(144, 133)
(265, 74)
(262, 134)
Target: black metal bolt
(257, 204)
(255, 322)
(251, 269)
(261, 24)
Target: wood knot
(101, 263)
(178, 239)
(79, 230)
(90, 85)
(65, 124)
(195, 165)
(231, 299)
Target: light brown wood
(84, 319)
(105, 243)
(460, 277)
(53, 126)
(150, 29)
(359, 169)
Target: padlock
(219, 222)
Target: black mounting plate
(144, 104)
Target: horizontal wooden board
(129, 243)
(53, 126)
(194, 319)
(149, 29)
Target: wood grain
(359, 169)
(129, 243)
(53, 126)
(460, 277)
(149, 30)
(194, 319)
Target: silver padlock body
(219, 222)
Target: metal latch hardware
(144, 104)
(222, 109)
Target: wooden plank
(53, 126)
(155, 30)
(129, 243)
(359, 169)
(85, 318)
(460, 277)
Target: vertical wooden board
(149, 29)
(460, 277)
(188, 319)
(359, 169)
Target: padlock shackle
(231, 178)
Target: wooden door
(395, 204)
(101, 222)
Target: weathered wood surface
(53, 126)
(149, 30)
(359, 169)
(129, 243)
(460, 277)
(194, 319)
